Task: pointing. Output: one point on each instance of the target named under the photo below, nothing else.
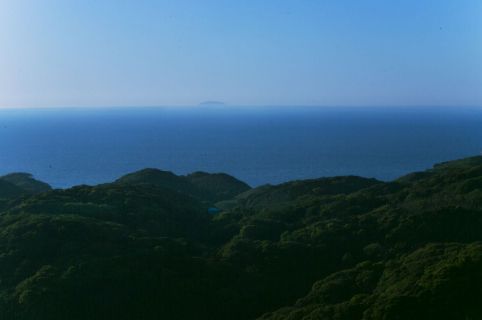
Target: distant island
(156, 245)
(212, 103)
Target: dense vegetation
(200, 185)
(145, 247)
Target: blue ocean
(67, 147)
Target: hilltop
(208, 187)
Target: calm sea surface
(66, 147)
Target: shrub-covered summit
(26, 182)
(204, 186)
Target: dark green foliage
(10, 191)
(26, 182)
(203, 186)
(145, 247)
(217, 186)
(143, 208)
(15, 186)
(438, 281)
(284, 194)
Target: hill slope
(203, 186)
(331, 248)
(26, 182)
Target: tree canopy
(145, 247)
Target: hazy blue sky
(279, 52)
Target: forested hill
(145, 247)
(204, 186)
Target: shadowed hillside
(203, 186)
(16, 185)
(26, 182)
(145, 247)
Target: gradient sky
(272, 52)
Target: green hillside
(26, 182)
(145, 247)
(203, 186)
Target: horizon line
(227, 106)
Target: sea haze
(66, 147)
